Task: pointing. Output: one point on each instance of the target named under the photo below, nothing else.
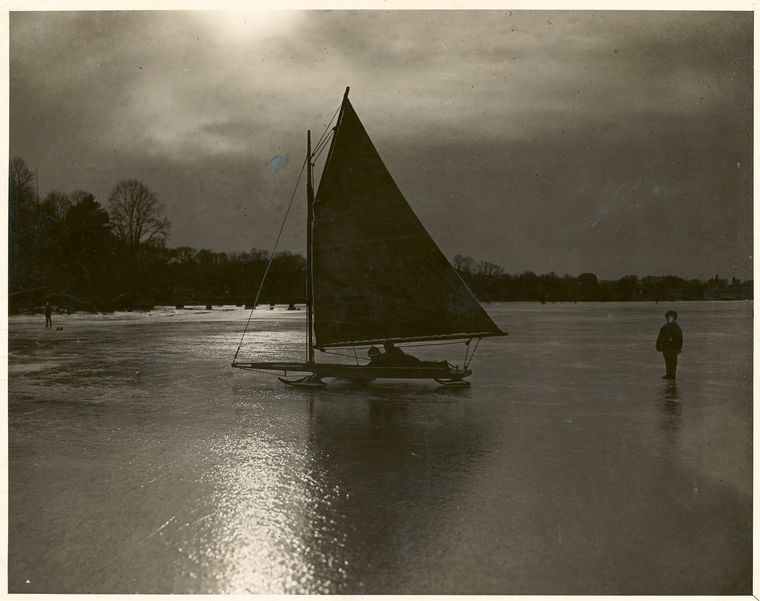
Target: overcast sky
(612, 142)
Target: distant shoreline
(37, 311)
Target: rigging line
(317, 153)
(477, 342)
(325, 147)
(316, 156)
(323, 142)
(287, 212)
(327, 128)
(264, 371)
(271, 258)
(338, 354)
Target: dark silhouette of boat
(373, 273)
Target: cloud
(527, 125)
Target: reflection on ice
(141, 462)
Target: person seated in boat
(374, 354)
(395, 356)
(392, 357)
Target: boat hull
(361, 372)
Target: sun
(249, 24)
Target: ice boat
(373, 273)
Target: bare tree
(21, 180)
(462, 263)
(184, 254)
(136, 214)
(488, 268)
(55, 205)
(77, 197)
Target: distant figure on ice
(669, 343)
(48, 315)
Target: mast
(309, 222)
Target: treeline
(69, 249)
(490, 283)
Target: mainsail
(377, 273)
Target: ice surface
(140, 461)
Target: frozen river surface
(141, 462)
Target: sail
(377, 273)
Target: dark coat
(670, 338)
(393, 357)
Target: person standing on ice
(48, 315)
(669, 343)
